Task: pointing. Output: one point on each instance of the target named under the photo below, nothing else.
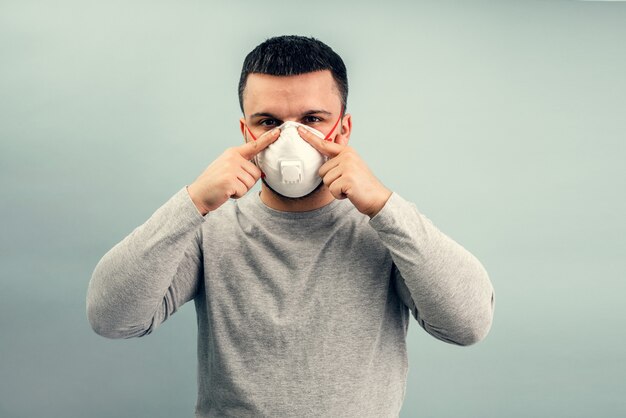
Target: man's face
(311, 99)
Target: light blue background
(503, 121)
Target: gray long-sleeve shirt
(300, 314)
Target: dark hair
(293, 55)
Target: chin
(294, 199)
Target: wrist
(191, 190)
(380, 203)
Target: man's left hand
(347, 176)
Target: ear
(242, 126)
(344, 128)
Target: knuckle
(228, 166)
(231, 153)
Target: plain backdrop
(502, 121)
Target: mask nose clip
(291, 171)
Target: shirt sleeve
(446, 288)
(148, 275)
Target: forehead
(283, 95)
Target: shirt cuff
(189, 209)
(392, 213)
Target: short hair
(293, 55)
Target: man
(302, 294)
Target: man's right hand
(232, 174)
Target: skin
(311, 99)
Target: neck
(317, 200)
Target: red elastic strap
(335, 125)
(250, 132)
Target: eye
(311, 119)
(268, 122)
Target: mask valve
(291, 171)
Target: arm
(446, 288)
(147, 276)
(156, 269)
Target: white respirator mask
(290, 165)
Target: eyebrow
(307, 113)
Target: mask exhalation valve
(291, 171)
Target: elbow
(101, 328)
(106, 325)
(100, 324)
(99, 312)
(477, 329)
(466, 335)
(474, 334)
(104, 331)
(464, 330)
(110, 315)
(110, 330)
(99, 320)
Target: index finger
(328, 148)
(252, 148)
